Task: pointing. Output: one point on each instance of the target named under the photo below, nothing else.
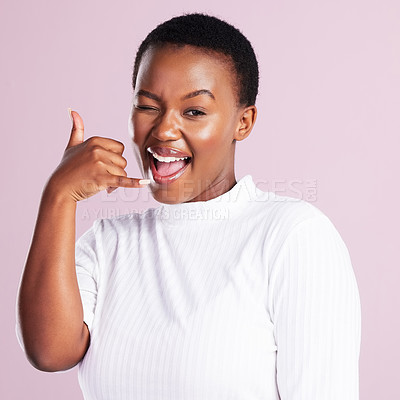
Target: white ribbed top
(248, 296)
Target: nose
(167, 127)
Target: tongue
(165, 168)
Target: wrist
(52, 194)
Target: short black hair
(209, 33)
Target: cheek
(138, 131)
(214, 136)
(138, 138)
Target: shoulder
(283, 213)
(287, 219)
(302, 233)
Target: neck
(216, 188)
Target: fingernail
(144, 181)
(70, 115)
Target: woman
(222, 292)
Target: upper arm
(316, 314)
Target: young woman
(223, 291)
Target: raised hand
(89, 166)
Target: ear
(247, 120)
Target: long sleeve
(317, 315)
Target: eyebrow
(153, 96)
(198, 93)
(150, 95)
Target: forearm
(49, 304)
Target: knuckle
(119, 180)
(92, 140)
(96, 151)
(121, 145)
(124, 162)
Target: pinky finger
(123, 181)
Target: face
(184, 123)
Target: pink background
(328, 131)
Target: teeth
(167, 159)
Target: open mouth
(166, 169)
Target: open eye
(195, 113)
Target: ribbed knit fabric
(248, 296)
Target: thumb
(77, 129)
